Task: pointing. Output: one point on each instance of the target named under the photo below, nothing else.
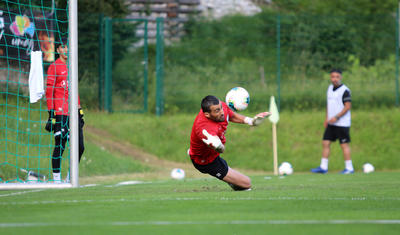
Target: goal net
(29, 33)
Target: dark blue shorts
(218, 168)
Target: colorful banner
(22, 33)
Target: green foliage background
(217, 55)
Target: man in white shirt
(337, 123)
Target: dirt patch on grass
(161, 167)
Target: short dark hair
(336, 71)
(207, 102)
(63, 41)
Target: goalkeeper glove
(257, 120)
(213, 141)
(81, 118)
(51, 121)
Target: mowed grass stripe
(203, 199)
(163, 223)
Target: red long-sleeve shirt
(57, 93)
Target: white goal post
(73, 102)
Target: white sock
(324, 164)
(349, 165)
(56, 176)
(67, 180)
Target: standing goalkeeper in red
(57, 105)
(208, 138)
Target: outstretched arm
(258, 119)
(237, 118)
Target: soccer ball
(368, 168)
(285, 168)
(237, 98)
(177, 174)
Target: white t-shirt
(335, 101)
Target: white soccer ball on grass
(237, 99)
(177, 174)
(368, 168)
(285, 169)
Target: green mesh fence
(25, 147)
(123, 74)
(288, 56)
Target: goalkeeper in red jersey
(207, 141)
(57, 105)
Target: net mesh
(26, 148)
(289, 53)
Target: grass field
(374, 134)
(297, 204)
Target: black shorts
(218, 168)
(337, 132)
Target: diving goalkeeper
(208, 138)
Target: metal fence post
(397, 54)
(108, 65)
(101, 60)
(146, 67)
(159, 67)
(278, 59)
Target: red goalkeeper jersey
(199, 152)
(57, 88)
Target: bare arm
(237, 118)
(346, 108)
(258, 119)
